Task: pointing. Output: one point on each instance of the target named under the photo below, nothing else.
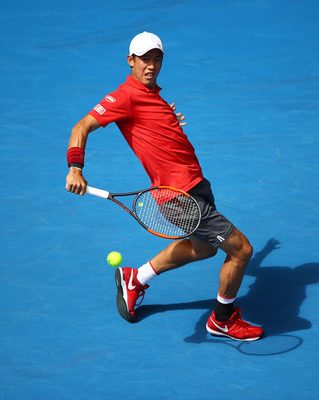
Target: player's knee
(248, 251)
(245, 253)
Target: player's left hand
(179, 115)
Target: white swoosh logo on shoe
(130, 286)
(225, 329)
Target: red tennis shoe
(235, 327)
(129, 289)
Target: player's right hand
(75, 182)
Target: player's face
(147, 67)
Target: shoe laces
(141, 295)
(238, 321)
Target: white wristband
(76, 168)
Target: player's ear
(130, 60)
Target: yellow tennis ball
(114, 258)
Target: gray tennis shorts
(214, 228)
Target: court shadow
(272, 301)
(145, 311)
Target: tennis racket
(163, 211)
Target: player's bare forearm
(75, 181)
(81, 131)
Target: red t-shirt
(152, 130)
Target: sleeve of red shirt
(114, 107)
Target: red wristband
(75, 155)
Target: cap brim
(141, 53)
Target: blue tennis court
(245, 74)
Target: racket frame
(112, 196)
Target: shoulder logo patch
(110, 99)
(99, 109)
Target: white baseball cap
(144, 42)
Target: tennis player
(155, 134)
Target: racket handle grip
(97, 192)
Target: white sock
(225, 300)
(145, 273)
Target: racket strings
(168, 212)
